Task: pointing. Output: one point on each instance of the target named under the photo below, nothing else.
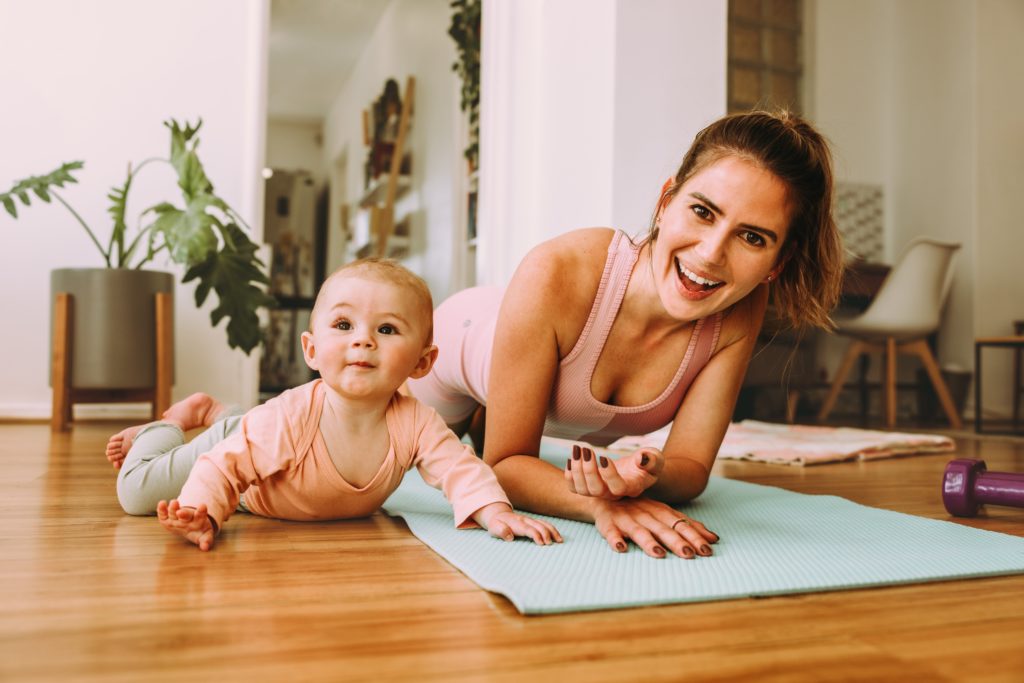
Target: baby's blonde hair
(393, 272)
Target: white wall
(587, 106)
(999, 185)
(94, 81)
(921, 96)
(296, 146)
(410, 40)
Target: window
(764, 54)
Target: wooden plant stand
(64, 395)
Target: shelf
(399, 243)
(376, 193)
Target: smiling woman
(599, 336)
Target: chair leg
(852, 353)
(920, 348)
(890, 383)
(1016, 387)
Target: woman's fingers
(615, 484)
(683, 527)
(615, 538)
(647, 542)
(655, 527)
(589, 465)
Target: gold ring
(684, 520)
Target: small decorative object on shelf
(388, 173)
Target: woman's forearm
(534, 485)
(680, 481)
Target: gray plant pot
(114, 324)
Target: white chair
(905, 312)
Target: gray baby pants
(159, 462)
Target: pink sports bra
(574, 413)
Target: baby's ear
(309, 350)
(425, 362)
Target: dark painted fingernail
(644, 460)
(568, 463)
(717, 537)
(620, 546)
(658, 550)
(575, 452)
(587, 454)
(688, 553)
(603, 461)
(705, 550)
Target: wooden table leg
(164, 354)
(60, 362)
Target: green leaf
(191, 177)
(118, 205)
(40, 185)
(10, 206)
(187, 233)
(233, 273)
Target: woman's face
(720, 236)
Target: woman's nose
(712, 248)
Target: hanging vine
(465, 31)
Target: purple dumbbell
(966, 486)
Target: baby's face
(368, 336)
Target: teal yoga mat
(774, 542)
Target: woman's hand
(501, 521)
(653, 526)
(588, 474)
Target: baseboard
(139, 412)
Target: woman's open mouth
(693, 282)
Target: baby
(333, 448)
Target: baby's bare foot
(119, 445)
(198, 410)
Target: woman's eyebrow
(770, 234)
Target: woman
(598, 337)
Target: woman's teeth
(693, 277)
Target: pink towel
(804, 445)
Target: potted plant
(205, 235)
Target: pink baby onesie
(464, 332)
(279, 459)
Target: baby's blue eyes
(343, 325)
(387, 329)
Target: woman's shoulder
(577, 254)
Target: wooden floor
(89, 594)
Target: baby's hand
(502, 522)
(601, 477)
(193, 524)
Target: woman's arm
(524, 361)
(704, 415)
